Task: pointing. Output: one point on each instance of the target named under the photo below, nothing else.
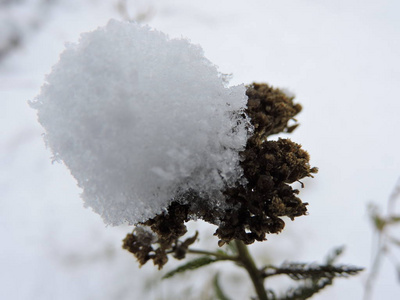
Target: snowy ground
(339, 57)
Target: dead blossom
(256, 208)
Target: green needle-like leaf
(192, 265)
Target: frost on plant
(252, 209)
(154, 136)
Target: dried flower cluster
(254, 209)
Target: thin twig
(393, 197)
(381, 246)
(374, 268)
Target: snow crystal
(139, 118)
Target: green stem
(247, 262)
(220, 256)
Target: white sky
(341, 59)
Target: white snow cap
(140, 118)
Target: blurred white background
(340, 58)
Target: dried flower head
(255, 208)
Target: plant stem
(220, 256)
(375, 267)
(247, 262)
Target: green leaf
(379, 222)
(192, 265)
(307, 290)
(219, 293)
(301, 271)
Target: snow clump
(139, 119)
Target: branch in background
(384, 241)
